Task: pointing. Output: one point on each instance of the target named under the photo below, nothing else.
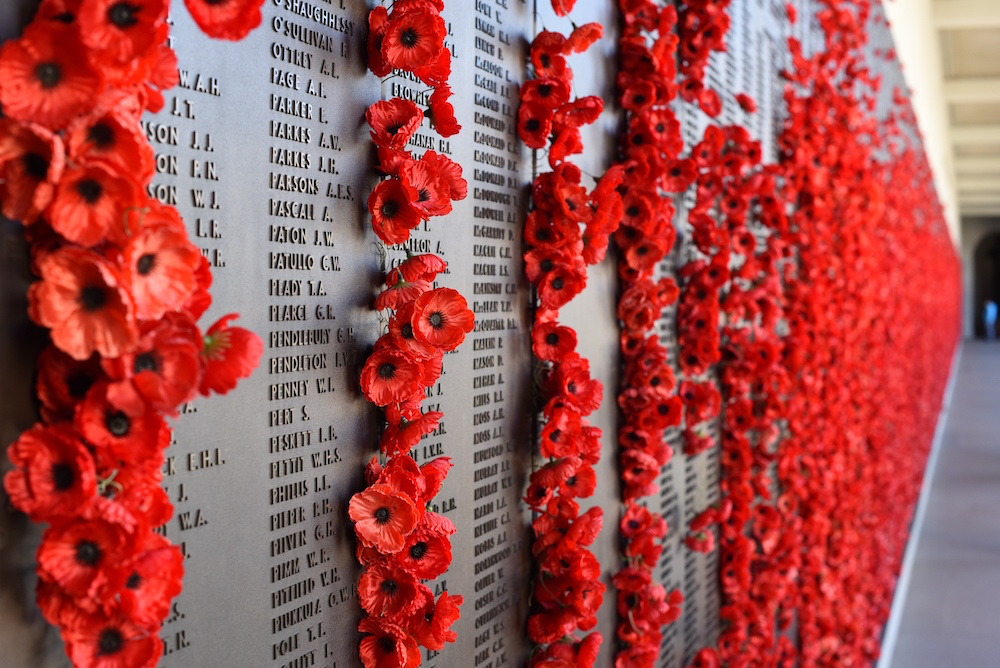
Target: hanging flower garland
(120, 289)
(401, 541)
(567, 229)
(650, 151)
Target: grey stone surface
(952, 611)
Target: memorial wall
(263, 149)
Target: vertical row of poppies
(649, 154)
(567, 229)
(400, 540)
(120, 291)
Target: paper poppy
(441, 318)
(91, 203)
(100, 641)
(225, 19)
(122, 30)
(31, 164)
(387, 645)
(413, 38)
(46, 77)
(393, 216)
(383, 518)
(55, 474)
(81, 299)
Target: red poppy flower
(387, 645)
(100, 641)
(383, 518)
(431, 625)
(46, 77)
(110, 134)
(583, 36)
(534, 124)
(442, 113)
(229, 353)
(572, 381)
(393, 122)
(132, 439)
(416, 268)
(746, 103)
(91, 202)
(155, 579)
(552, 342)
(378, 21)
(413, 38)
(389, 375)
(546, 55)
(393, 216)
(399, 439)
(427, 552)
(225, 19)
(563, 7)
(400, 293)
(706, 657)
(545, 93)
(449, 171)
(427, 192)
(122, 30)
(387, 590)
(160, 266)
(441, 318)
(63, 382)
(55, 474)
(31, 164)
(80, 298)
(87, 557)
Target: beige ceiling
(970, 51)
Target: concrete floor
(951, 615)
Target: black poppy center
(571, 481)
(557, 284)
(389, 587)
(545, 90)
(395, 127)
(436, 320)
(554, 436)
(409, 38)
(36, 166)
(382, 515)
(48, 74)
(93, 297)
(117, 423)
(109, 642)
(637, 140)
(642, 250)
(64, 17)
(407, 331)
(552, 339)
(632, 211)
(423, 195)
(640, 98)
(390, 208)
(532, 125)
(546, 265)
(662, 409)
(654, 381)
(545, 60)
(123, 14)
(87, 552)
(633, 524)
(387, 371)
(145, 264)
(145, 362)
(90, 190)
(101, 134)
(62, 476)
(418, 550)
(133, 581)
(387, 644)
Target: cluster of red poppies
(411, 39)
(121, 290)
(825, 377)
(734, 273)
(400, 541)
(649, 406)
(702, 29)
(567, 229)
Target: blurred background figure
(990, 319)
